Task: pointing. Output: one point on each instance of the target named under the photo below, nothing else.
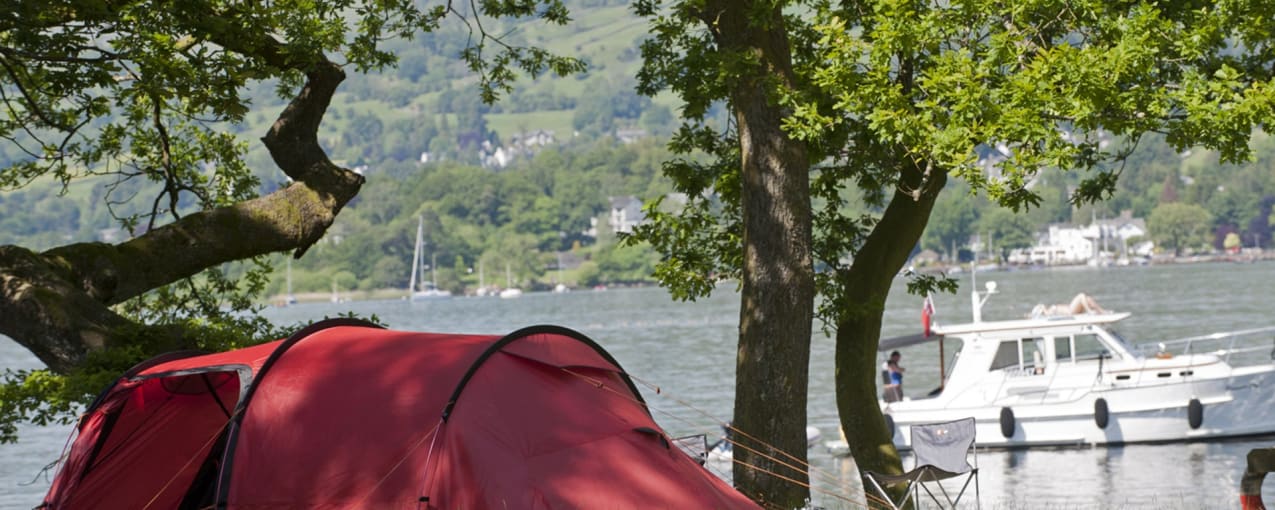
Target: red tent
(344, 414)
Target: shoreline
(1232, 258)
(402, 294)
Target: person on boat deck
(1084, 303)
(1081, 304)
(894, 375)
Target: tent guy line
(176, 474)
(810, 469)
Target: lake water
(687, 349)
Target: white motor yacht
(1059, 379)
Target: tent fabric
(251, 357)
(343, 415)
(142, 441)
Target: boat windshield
(1119, 338)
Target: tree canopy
(1180, 226)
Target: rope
(811, 487)
(759, 453)
(219, 430)
(826, 477)
(101, 459)
(56, 464)
(178, 472)
(400, 462)
(429, 456)
(719, 421)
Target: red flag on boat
(927, 314)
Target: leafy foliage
(1006, 231)
(889, 86)
(1179, 226)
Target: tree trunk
(777, 296)
(57, 303)
(859, 330)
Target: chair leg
(884, 495)
(932, 496)
(966, 485)
(978, 498)
(950, 504)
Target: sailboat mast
(416, 254)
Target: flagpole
(942, 366)
(927, 317)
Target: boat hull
(431, 295)
(1240, 405)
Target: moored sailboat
(430, 290)
(510, 291)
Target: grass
(509, 124)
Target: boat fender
(889, 425)
(1007, 422)
(1195, 413)
(1101, 415)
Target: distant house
(1111, 236)
(498, 158)
(1062, 245)
(628, 136)
(520, 145)
(626, 213)
(1100, 242)
(537, 138)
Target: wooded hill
(546, 197)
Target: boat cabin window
(1006, 355)
(1089, 346)
(1034, 355)
(1027, 354)
(1079, 347)
(1062, 348)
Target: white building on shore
(1102, 242)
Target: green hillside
(543, 200)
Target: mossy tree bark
(57, 303)
(777, 294)
(867, 284)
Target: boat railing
(1243, 345)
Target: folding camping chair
(942, 452)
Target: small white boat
(1066, 379)
(510, 292)
(724, 451)
(430, 293)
